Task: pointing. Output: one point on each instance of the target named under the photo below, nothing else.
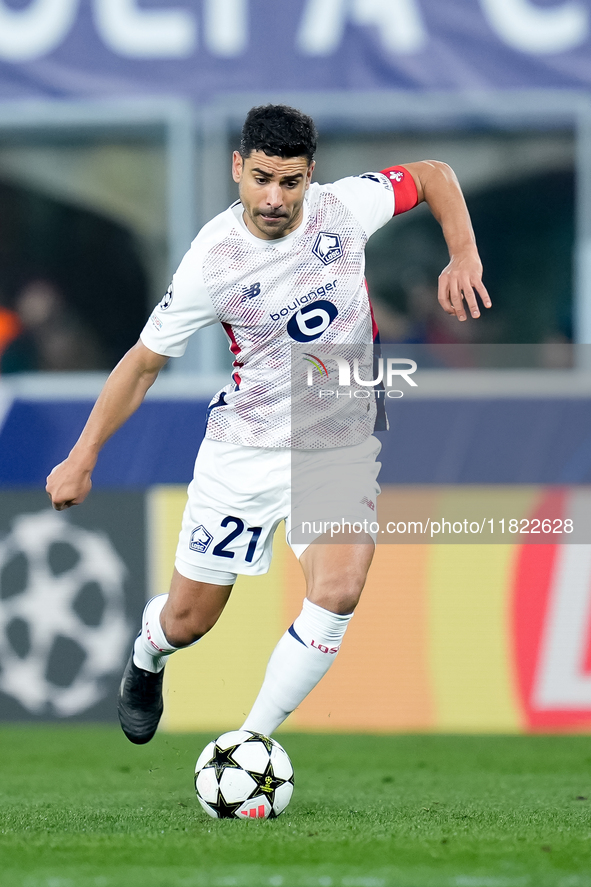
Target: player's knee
(338, 599)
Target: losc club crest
(200, 539)
(327, 247)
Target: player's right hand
(68, 485)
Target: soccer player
(282, 266)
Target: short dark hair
(278, 131)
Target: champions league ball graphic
(63, 627)
(244, 775)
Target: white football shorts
(239, 495)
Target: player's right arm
(461, 280)
(69, 483)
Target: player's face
(272, 191)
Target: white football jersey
(306, 289)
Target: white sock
(151, 649)
(303, 656)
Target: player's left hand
(460, 282)
(69, 483)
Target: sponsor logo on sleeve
(380, 179)
(165, 303)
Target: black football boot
(140, 704)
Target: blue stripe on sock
(291, 630)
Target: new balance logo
(368, 502)
(251, 292)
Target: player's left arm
(461, 279)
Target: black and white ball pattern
(244, 775)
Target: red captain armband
(405, 190)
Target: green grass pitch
(81, 807)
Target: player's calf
(192, 608)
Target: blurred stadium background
(116, 124)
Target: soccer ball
(243, 775)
